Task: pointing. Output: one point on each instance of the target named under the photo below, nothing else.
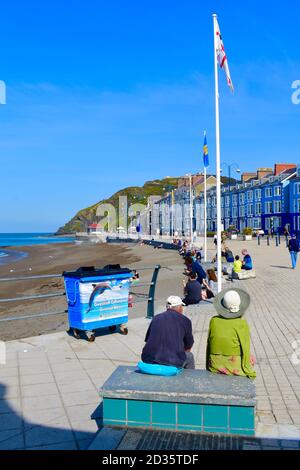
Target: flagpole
(205, 217)
(191, 211)
(172, 214)
(218, 173)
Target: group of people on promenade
(169, 339)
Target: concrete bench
(195, 400)
(244, 274)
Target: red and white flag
(221, 56)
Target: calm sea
(25, 239)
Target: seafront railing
(150, 299)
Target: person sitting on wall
(169, 338)
(247, 261)
(228, 342)
(228, 255)
(192, 290)
(237, 265)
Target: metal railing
(150, 298)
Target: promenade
(49, 385)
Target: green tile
(134, 424)
(189, 428)
(164, 426)
(216, 430)
(189, 414)
(241, 417)
(114, 409)
(138, 411)
(242, 432)
(112, 422)
(215, 416)
(163, 413)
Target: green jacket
(230, 337)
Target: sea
(25, 239)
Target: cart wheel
(112, 328)
(124, 331)
(91, 338)
(76, 334)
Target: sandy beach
(56, 258)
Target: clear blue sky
(106, 94)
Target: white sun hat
(174, 301)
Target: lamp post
(169, 189)
(237, 169)
(189, 175)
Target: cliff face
(135, 194)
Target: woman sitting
(228, 343)
(228, 255)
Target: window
(298, 222)
(298, 205)
(258, 208)
(277, 206)
(297, 188)
(234, 212)
(277, 191)
(256, 223)
(258, 194)
(242, 211)
(234, 200)
(268, 192)
(242, 198)
(222, 202)
(227, 212)
(250, 196)
(250, 210)
(268, 207)
(227, 200)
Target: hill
(135, 194)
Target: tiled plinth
(193, 401)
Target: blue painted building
(268, 202)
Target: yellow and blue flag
(205, 152)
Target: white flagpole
(218, 173)
(205, 217)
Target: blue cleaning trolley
(97, 298)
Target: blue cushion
(158, 369)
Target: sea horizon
(13, 239)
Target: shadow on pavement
(17, 433)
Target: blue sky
(102, 95)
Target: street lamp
(191, 205)
(237, 169)
(170, 189)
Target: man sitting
(169, 338)
(192, 290)
(247, 261)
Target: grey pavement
(49, 385)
